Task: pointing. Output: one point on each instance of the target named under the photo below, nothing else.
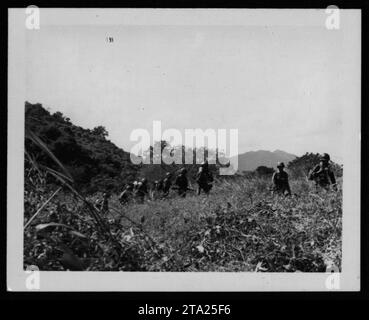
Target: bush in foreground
(240, 226)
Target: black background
(243, 304)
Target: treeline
(190, 158)
(297, 168)
(93, 161)
(97, 164)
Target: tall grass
(239, 226)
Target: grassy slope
(238, 227)
(241, 227)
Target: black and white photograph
(184, 149)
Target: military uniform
(182, 183)
(141, 190)
(167, 183)
(159, 185)
(323, 176)
(126, 195)
(157, 189)
(203, 179)
(280, 181)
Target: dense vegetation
(240, 226)
(299, 167)
(93, 161)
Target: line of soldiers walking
(137, 191)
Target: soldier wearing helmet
(134, 185)
(205, 165)
(127, 193)
(204, 178)
(322, 173)
(182, 182)
(157, 189)
(280, 181)
(141, 190)
(167, 183)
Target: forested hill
(95, 163)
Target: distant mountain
(249, 161)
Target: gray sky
(282, 87)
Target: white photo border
(179, 281)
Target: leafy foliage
(300, 166)
(264, 171)
(100, 131)
(94, 162)
(240, 226)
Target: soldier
(157, 189)
(126, 195)
(204, 178)
(167, 183)
(159, 185)
(141, 190)
(182, 182)
(280, 181)
(134, 184)
(322, 174)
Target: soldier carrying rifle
(280, 181)
(126, 195)
(204, 178)
(167, 183)
(141, 190)
(182, 183)
(322, 174)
